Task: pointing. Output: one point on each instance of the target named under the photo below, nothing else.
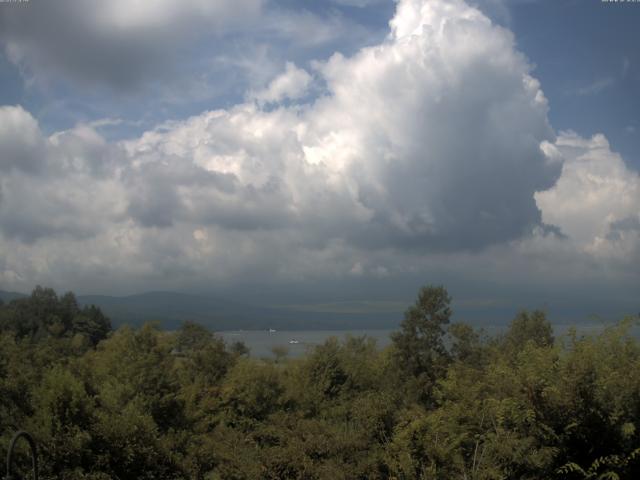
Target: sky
(318, 152)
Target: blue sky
(587, 59)
(323, 151)
(584, 52)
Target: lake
(261, 342)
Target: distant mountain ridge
(8, 296)
(171, 309)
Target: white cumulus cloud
(596, 200)
(292, 84)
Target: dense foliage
(443, 402)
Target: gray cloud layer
(117, 43)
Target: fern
(615, 464)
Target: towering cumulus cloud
(438, 130)
(430, 140)
(433, 141)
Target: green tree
(280, 352)
(91, 323)
(419, 345)
(251, 391)
(529, 327)
(466, 343)
(191, 337)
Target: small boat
(272, 330)
(293, 342)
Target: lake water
(261, 342)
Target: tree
(324, 371)
(239, 349)
(529, 327)
(43, 315)
(92, 323)
(419, 346)
(192, 336)
(466, 344)
(251, 391)
(280, 352)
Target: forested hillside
(443, 402)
